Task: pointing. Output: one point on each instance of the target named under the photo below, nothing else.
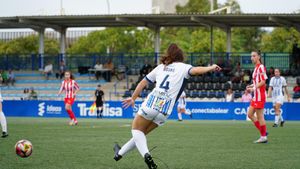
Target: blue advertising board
(113, 109)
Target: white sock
(187, 112)
(140, 141)
(3, 122)
(281, 117)
(130, 145)
(179, 116)
(276, 119)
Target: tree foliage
(28, 45)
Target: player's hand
(249, 88)
(216, 68)
(127, 102)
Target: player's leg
(179, 114)
(277, 114)
(98, 111)
(101, 110)
(251, 116)
(130, 145)
(3, 122)
(263, 127)
(68, 108)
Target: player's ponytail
(173, 54)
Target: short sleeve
(284, 82)
(187, 71)
(151, 77)
(271, 82)
(262, 73)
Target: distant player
(278, 82)
(3, 119)
(181, 107)
(257, 104)
(99, 99)
(170, 77)
(70, 86)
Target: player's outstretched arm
(130, 101)
(199, 70)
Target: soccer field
(180, 145)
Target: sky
(80, 7)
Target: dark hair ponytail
(173, 54)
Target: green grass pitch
(181, 145)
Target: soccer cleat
(116, 149)
(75, 122)
(262, 140)
(282, 123)
(179, 119)
(149, 161)
(71, 123)
(4, 134)
(275, 125)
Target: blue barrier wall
(113, 109)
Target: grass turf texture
(181, 145)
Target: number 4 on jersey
(165, 84)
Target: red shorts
(257, 104)
(69, 100)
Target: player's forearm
(201, 70)
(286, 92)
(139, 89)
(269, 91)
(258, 85)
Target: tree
(28, 45)
(280, 40)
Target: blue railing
(134, 61)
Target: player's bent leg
(130, 145)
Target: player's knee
(250, 116)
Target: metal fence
(134, 61)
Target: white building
(166, 6)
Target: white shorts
(153, 115)
(278, 100)
(1, 100)
(181, 106)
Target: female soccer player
(257, 104)
(278, 82)
(99, 98)
(71, 88)
(170, 77)
(181, 107)
(3, 119)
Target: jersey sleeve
(76, 85)
(271, 82)
(187, 70)
(262, 73)
(151, 77)
(284, 82)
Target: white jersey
(170, 82)
(277, 83)
(181, 100)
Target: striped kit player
(70, 87)
(277, 83)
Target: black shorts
(99, 103)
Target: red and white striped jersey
(259, 74)
(69, 86)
